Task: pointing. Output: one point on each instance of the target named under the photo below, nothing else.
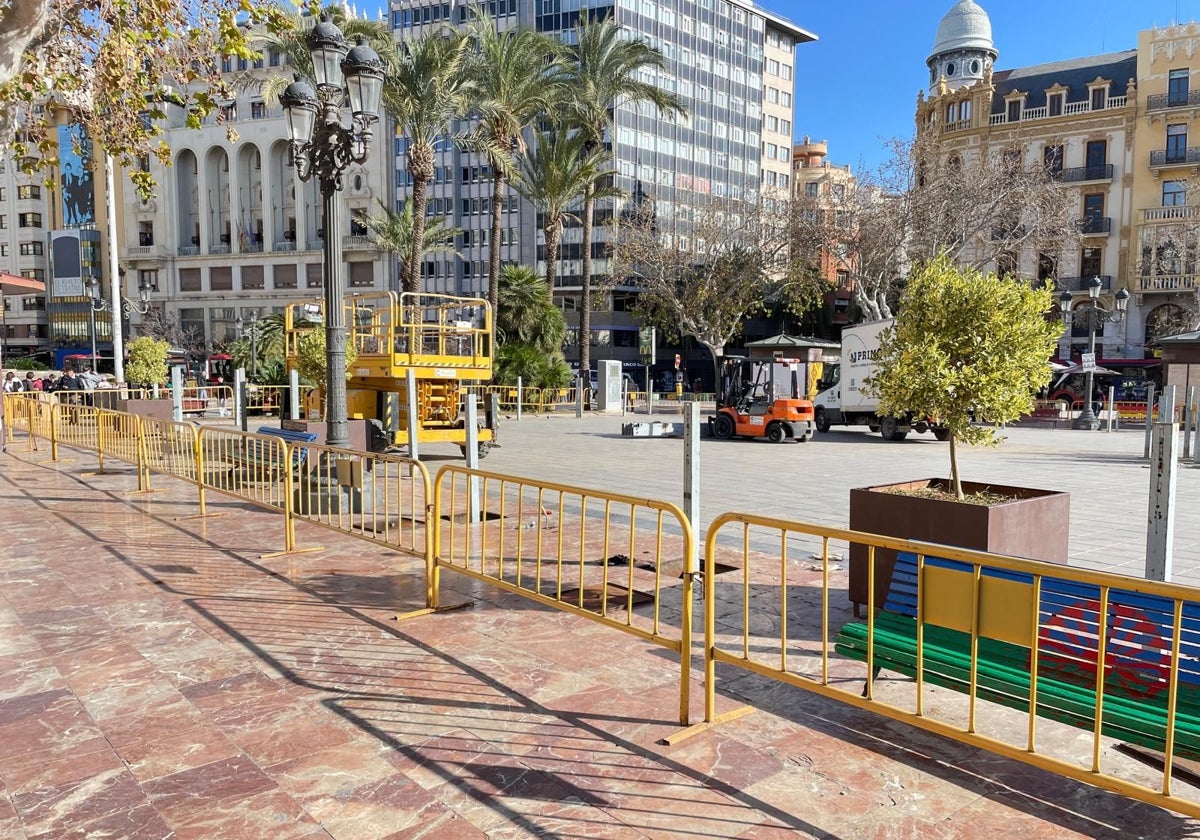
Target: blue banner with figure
(75, 172)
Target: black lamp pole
(1096, 319)
(322, 146)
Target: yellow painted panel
(946, 598)
(1006, 610)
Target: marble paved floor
(160, 679)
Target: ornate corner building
(1077, 118)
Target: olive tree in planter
(966, 349)
(146, 367)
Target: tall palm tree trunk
(420, 166)
(585, 301)
(494, 252)
(553, 232)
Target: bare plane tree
(987, 208)
(704, 271)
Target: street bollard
(294, 394)
(1160, 526)
(177, 393)
(1149, 419)
(473, 507)
(519, 398)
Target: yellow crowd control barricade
(955, 647)
(619, 560)
(19, 411)
(266, 399)
(172, 448)
(385, 499)
(73, 423)
(256, 468)
(118, 435)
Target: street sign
(1087, 361)
(646, 345)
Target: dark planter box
(156, 409)
(1034, 525)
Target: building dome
(965, 27)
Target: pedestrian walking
(12, 385)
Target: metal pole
(1160, 527)
(239, 398)
(1087, 418)
(579, 386)
(518, 398)
(1111, 395)
(177, 393)
(624, 394)
(473, 506)
(254, 350)
(337, 431)
(1189, 417)
(691, 477)
(412, 421)
(649, 393)
(92, 328)
(294, 393)
(1149, 419)
(114, 274)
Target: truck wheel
(942, 434)
(775, 433)
(822, 421)
(889, 429)
(723, 427)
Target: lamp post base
(1086, 421)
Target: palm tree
(392, 231)
(602, 75)
(517, 75)
(553, 176)
(527, 314)
(426, 90)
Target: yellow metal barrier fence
(172, 448)
(385, 499)
(119, 435)
(265, 399)
(618, 560)
(74, 424)
(779, 623)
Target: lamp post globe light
(1096, 319)
(128, 307)
(322, 145)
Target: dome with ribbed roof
(963, 48)
(965, 26)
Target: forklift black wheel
(723, 426)
(822, 421)
(776, 433)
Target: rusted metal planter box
(1035, 525)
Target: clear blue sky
(858, 84)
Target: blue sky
(858, 84)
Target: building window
(29, 220)
(29, 191)
(1054, 105)
(1052, 158)
(1177, 143)
(1174, 193)
(1091, 262)
(148, 279)
(258, 110)
(1014, 110)
(229, 112)
(1099, 98)
(1093, 209)
(4, 249)
(810, 189)
(32, 249)
(34, 273)
(1177, 88)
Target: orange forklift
(762, 398)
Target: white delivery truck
(841, 399)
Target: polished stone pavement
(159, 678)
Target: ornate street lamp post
(1096, 319)
(253, 333)
(99, 304)
(322, 146)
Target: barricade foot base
(197, 515)
(93, 473)
(146, 492)
(697, 728)
(433, 610)
(286, 552)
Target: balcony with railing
(1095, 225)
(1170, 214)
(1078, 174)
(189, 250)
(1163, 101)
(1174, 157)
(1166, 283)
(1069, 109)
(357, 243)
(1080, 284)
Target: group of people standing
(52, 383)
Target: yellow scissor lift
(443, 340)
